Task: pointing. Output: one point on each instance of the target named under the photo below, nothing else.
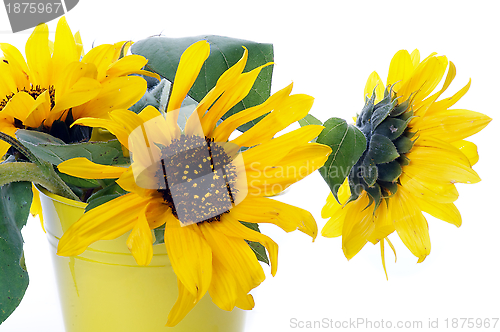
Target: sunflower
(416, 152)
(58, 83)
(197, 184)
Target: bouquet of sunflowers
(180, 143)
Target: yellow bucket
(104, 290)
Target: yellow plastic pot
(104, 290)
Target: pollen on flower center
(34, 92)
(198, 179)
(385, 126)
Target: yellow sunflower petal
(229, 125)
(84, 90)
(86, 169)
(469, 149)
(127, 65)
(190, 256)
(420, 109)
(245, 302)
(301, 162)
(105, 222)
(223, 289)
(266, 210)
(189, 67)
(410, 224)
(382, 253)
(116, 93)
(40, 111)
(271, 152)
(225, 80)
(438, 192)
(38, 56)
(425, 78)
(36, 205)
(448, 102)
(236, 255)
(79, 44)
(65, 49)
(16, 60)
(332, 205)
(127, 182)
(115, 128)
(230, 98)
(400, 69)
(294, 108)
(436, 161)
(73, 73)
(185, 302)
(383, 223)
(374, 83)
(415, 57)
(453, 125)
(358, 226)
(19, 106)
(140, 240)
(445, 211)
(102, 57)
(232, 227)
(8, 84)
(8, 128)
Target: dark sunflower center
(385, 126)
(60, 128)
(199, 179)
(34, 92)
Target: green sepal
(369, 171)
(15, 203)
(404, 160)
(348, 144)
(382, 109)
(391, 128)
(163, 56)
(364, 117)
(391, 186)
(403, 144)
(258, 249)
(382, 150)
(406, 116)
(389, 172)
(374, 193)
(400, 108)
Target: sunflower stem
(24, 171)
(21, 148)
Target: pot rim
(60, 199)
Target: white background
(328, 49)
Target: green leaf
(309, 120)
(55, 151)
(159, 235)
(348, 144)
(100, 200)
(15, 203)
(258, 249)
(163, 56)
(78, 182)
(110, 189)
